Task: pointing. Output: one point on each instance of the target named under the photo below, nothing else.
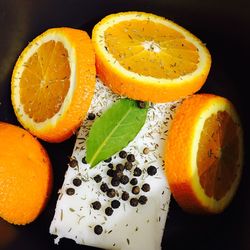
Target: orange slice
(204, 154)
(147, 57)
(25, 175)
(53, 83)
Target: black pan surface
(222, 25)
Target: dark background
(222, 25)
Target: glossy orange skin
(25, 175)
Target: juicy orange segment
(218, 155)
(147, 57)
(25, 175)
(204, 154)
(53, 83)
(151, 51)
(50, 85)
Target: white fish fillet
(128, 228)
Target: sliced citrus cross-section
(204, 154)
(53, 83)
(25, 175)
(150, 58)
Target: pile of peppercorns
(118, 176)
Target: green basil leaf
(114, 130)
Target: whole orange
(25, 175)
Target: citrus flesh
(53, 83)
(50, 81)
(204, 154)
(218, 155)
(151, 51)
(147, 57)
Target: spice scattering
(108, 216)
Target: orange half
(147, 57)
(53, 83)
(204, 154)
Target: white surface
(129, 227)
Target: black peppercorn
(70, 191)
(108, 160)
(111, 172)
(115, 204)
(123, 154)
(124, 179)
(98, 178)
(111, 193)
(119, 167)
(135, 190)
(96, 205)
(84, 160)
(91, 116)
(73, 163)
(145, 187)
(98, 229)
(125, 196)
(77, 182)
(141, 104)
(109, 211)
(128, 165)
(133, 202)
(118, 174)
(110, 165)
(137, 171)
(152, 170)
(143, 200)
(104, 187)
(133, 181)
(115, 181)
(131, 158)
